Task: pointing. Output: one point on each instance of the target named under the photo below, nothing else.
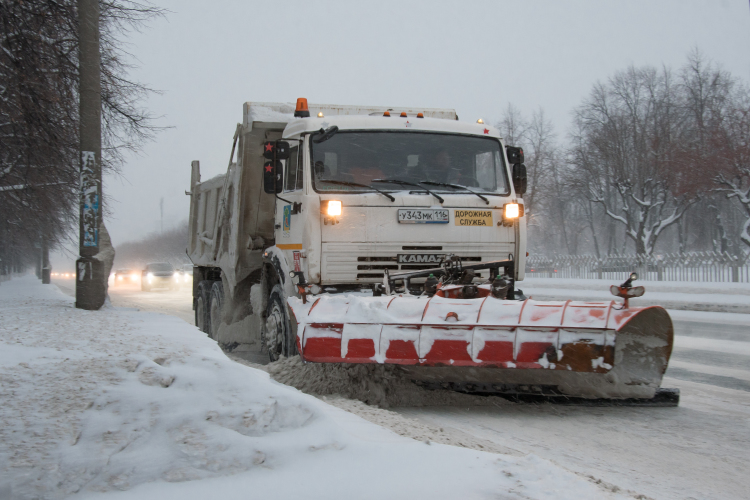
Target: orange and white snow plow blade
(583, 349)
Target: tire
(215, 309)
(277, 332)
(201, 306)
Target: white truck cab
(361, 194)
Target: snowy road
(699, 450)
(176, 303)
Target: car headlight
(334, 207)
(150, 275)
(119, 278)
(134, 276)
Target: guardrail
(692, 266)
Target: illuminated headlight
(334, 207)
(511, 211)
(120, 278)
(133, 276)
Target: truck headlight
(334, 207)
(511, 211)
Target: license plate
(423, 216)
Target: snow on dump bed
(126, 404)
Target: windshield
(360, 157)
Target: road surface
(700, 449)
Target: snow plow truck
(353, 234)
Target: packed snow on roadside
(673, 295)
(127, 404)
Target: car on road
(185, 276)
(125, 276)
(159, 275)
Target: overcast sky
(474, 56)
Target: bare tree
(630, 127)
(512, 126)
(734, 153)
(39, 110)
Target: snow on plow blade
(581, 349)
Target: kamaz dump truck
(348, 234)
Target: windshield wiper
(431, 183)
(327, 134)
(405, 183)
(356, 184)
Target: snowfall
(121, 403)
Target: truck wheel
(201, 306)
(217, 305)
(277, 330)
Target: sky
(208, 58)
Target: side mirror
(515, 155)
(282, 150)
(519, 178)
(279, 149)
(273, 178)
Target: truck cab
(361, 195)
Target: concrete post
(46, 269)
(91, 281)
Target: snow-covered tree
(628, 150)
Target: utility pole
(46, 268)
(92, 271)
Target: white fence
(693, 266)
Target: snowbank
(673, 295)
(127, 404)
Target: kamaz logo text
(420, 258)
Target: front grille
(417, 267)
(402, 267)
(420, 248)
(366, 263)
